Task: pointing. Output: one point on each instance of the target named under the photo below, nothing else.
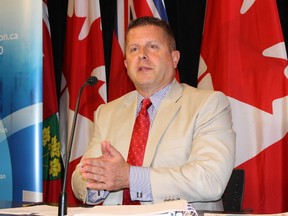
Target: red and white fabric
(84, 57)
(243, 54)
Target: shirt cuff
(95, 196)
(140, 186)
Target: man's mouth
(143, 69)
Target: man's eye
(133, 49)
(153, 46)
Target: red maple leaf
(234, 52)
(82, 56)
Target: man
(190, 148)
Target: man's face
(149, 61)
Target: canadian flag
(243, 55)
(119, 82)
(84, 57)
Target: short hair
(153, 21)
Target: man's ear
(125, 63)
(175, 57)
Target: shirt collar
(157, 97)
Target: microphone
(62, 205)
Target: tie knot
(146, 103)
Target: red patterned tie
(138, 144)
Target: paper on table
(39, 210)
(177, 208)
(165, 208)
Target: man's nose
(143, 54)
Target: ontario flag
(52, 161)
(243, 55)
(119, 81)
(84, 57)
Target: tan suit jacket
(190, 149)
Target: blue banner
(21, 100)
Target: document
(171, 208)
(39, 210)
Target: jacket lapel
(164, 115)
(127, 115)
